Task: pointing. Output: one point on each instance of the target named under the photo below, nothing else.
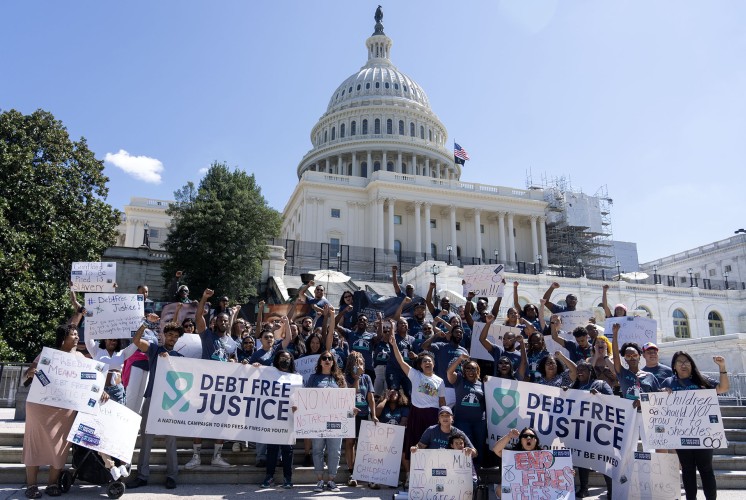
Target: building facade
(145, 223)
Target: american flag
(459, 154)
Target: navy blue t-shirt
(434, 438)
(365, 387)
(628, 382)
(153, 353)
(445, 354)
(395, 416)
(470, 403)
(362, 343)
(661, 372)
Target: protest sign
(178, 312)
(574, 319)
(379, 452)
(113, 430)
(306, 365)
(483, 280)
(653, 476)
(633, 329)
(439, 474)
(495, 335)
(210, 399)
(113, 315)
(94, 277)
(66, 380)
(324, 413)
(546, 474)
(599, 430)
(682, 419)
(189, 345)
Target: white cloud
(143, 168)
(203, 170)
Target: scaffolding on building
(578, 228)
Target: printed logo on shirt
(180, 382)
(361, 345)
(470, 400)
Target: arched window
(716, 324)
(430, 135)
(433, 250)
(390, 166)
(376, 166)
(681, 324)
(401, 127)
(325, 135)
(377, 126)
(411, 129)
(365, 127)
(389, 126)
(397, 248)
(364, 169)
(342, 131)
(334, 132)
(353, 127)
(644, 311)
(422, 132)
(403, 167)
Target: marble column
(417, 229)
(543, 238)
(534, 239)
(379, 222)
(428, 230)
(454, 238)
(391, 203)
(370, 164)
(355, 166)
(511, 238)
(478, 239)
(501, 237)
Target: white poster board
(306, 365)
(682, 420)
(495, 335)
(94, 276)
(189, 345)
(216, 400)
(379, 452)
(546, 474)
(66, 380)
(113, 315)
(113, 430)
(324, 413)
(440, 474)
(654, 476)
(633, 329)
(574, 319)
(483, 280)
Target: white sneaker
(217, 461)
(195, 462)
(236, 446)
(114, 471)
(123, 471)
(332, 486)
(319, 487)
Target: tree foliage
(219, 233)
(52, 213)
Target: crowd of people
(412, 371)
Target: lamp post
(538, 257)
(450, 249)
(690, 271)
(435, 270)
(339, 261)
(146, 236)
(725, 275)
(580, 267)
(618, 271)
(655, 275)
(496, 254)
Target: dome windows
(353, 127)
(396, 86)
(401, 127)
(411, 129)
(389, 126)
(378, 85)
(349, 91)
(405, 88)
(422, 132)
(358, 87)
(377, 126)
(334, 133)
(341, 131)
(365, 127)
(367, 86)
(386, 85)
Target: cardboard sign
(66, 380)
(495, 335)
(483, 280)
(682, 419)
(379, 452)
(306, 365)
(94, 276)
(113, 315)
(632, 329)
(600, 430)
(205, 398)
(324, 413)
(654, 476)
(574, 319)
(113, 430)
(439, 474)
(546, 474)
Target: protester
(110, 351)
(362, 341)
(620, 310)
(445, 347)
(529, 312)
(470, 408)
(508, 350)
(632, 380)
(571, 300)
(356, 378)
(436, 436)
(556, 371)
(395, 377)
(345, 311)
(536, 352)
(602, 364)
(393, 409)
(409, 289)
(687, 377)
(578, 350)
(650, 353)
(528, 440)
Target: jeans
(691, 461)
(136, 388)
(287, 460)
(143, 463)
(261, 451)
(333, 448)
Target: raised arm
(548, 294)
(516, 304)
(286, 332)
(503, 442)
(542, 312)
(451, 372)
(397, 314)
(74, 298)
(260, 315)
(485, 330)
(571, 367)
(199, 317)
(724, 384)
(329, 329)
(394, 281)
(429, 299)
(523, 366)
(342, 312)
(397, 355)
(605, 302)
(554, 329)
(140, 342)
(469, 309)
(496, 306)
(615, 348)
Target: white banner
(633, 329)
(682, 419)
(112, 431)
(324, 412)
(306, 365)
(440, 474)
(217, 400)
(483, 280)
(545, 474)
(495, 335)
(654, 476)
(94, 276)
(66, 380)
(113, 315)
(379, 452)
(601, 431)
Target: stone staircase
(729, 463)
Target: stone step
(733, 411)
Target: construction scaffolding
(578, 226)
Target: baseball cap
(445, 409)
(649, 345)
(419, 304)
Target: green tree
(52, 213)
(219, 233)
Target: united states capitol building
(380, 187)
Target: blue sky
(647, 98)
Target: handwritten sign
(573, 319)
(495, 335)
(113, 430)
(379, 452)
(483, 280)
(438, 474)
(324, 413)
(633, 329)
(546, 474)
(113, 315)
(205, 398)
(653, 476)
(682, 419)
(306, 365)
(94, 276)
(66, 380)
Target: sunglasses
(268, 337)
(326, 358)
(528, 436)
